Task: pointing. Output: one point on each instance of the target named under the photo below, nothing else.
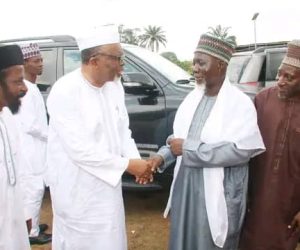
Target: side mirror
(137, 83)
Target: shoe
(43, 227)
(43, 238)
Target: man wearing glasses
(89, 148)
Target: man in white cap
(32, 121)
(13, 233)
(89, 148)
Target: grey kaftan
(189, 222)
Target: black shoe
(43, 227)
(43, 238)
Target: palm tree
(222, 33)
(154, 35)
(128, 35)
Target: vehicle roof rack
(58, 38)
(262, 49)
(251, 47)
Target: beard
(14, 106)
(13, 102)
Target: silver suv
(261, 70)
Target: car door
(147, 112)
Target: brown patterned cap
(293, 54)
(215, 47)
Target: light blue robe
(189, 223)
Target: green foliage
(222, 33)
(186, 65)
(171, 56)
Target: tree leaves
(151, 38)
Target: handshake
(143, 170)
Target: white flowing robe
(32, 121)
(89, 147)
(13, 231)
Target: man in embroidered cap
(273, 215)
(13, 234)
(32, 121)
(90, 147)
(215, 135)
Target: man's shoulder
(272, 91)
(68, 81)
(267, 94)
(66, 86)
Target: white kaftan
(32, 121)
(89, 147)
(13, 231)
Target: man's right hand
(141, 169)
(155, 161)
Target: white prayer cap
(106, 34)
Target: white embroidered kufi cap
(101, 35)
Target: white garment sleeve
(28, 117)
(78, 142)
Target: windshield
(164, 66)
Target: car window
(253, 69)
(236, 67)
(168, 69)
(48, 76)
(273, 62)
(130, 68)
(72, 60)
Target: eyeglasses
(120, 59)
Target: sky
(182, 20)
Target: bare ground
(146, 229)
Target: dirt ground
(146, 229)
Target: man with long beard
(13, 235)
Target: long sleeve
(29, 116)
(86, 148)
(166, 153)
(223, 154)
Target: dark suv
(261, 70)
(154, 88)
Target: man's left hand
(176, 146)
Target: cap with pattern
(293, 54)
(215, 47)
(30, 50)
